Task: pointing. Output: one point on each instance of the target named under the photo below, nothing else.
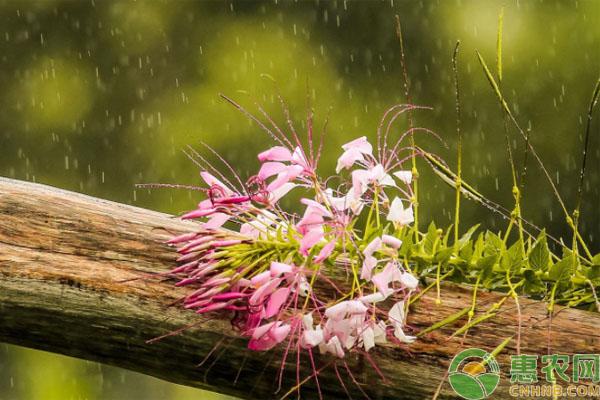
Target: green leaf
(499, 44)
(493, 244)
(539, 256)
(486, 265)
(562, 270)
(443, 255)
(513, 258)
(430, 238)
(466, 238)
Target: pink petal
(325, 252)
(279, 333)
(334, 347)
(368, 337)
(367, 267)
(396, 314)
(361, 144)
(198, 213)
(299, 158)
(392, 241)
(356, 307)
(313, 206)
(186, 237)
(276, 301)
(347, 159)
(337, 311)
(372, 247)
(262, 292)
(373, 298)
(212, 181)
(261, 279)
(212, 307)
(309, 221)
(228, 296)
(399, 214)
(309, 240)
(262, 330)
(382, 280)
(277, 269)
(269, 169)
(216, 221)
(360, 179)
(276, 153)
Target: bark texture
(78, 277)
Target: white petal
(281, 191)
(373, 298)
(392, 241)
(368, 337)
(372, 247)
(396, 314)
(312, 338)
(409, 281)
(361, 144)
(404, 176)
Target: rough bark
(78, 277)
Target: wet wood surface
(78, 276)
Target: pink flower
(361, 144)
(267, 336)
(299, 158)
(383, 279)
(353, 151)
(361, 178)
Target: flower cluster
(328, 278)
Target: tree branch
(78, 276)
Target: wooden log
(74, 280)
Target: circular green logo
(474, 374)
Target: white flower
(397, 317)
(399, 214)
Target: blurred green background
(99, 95)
